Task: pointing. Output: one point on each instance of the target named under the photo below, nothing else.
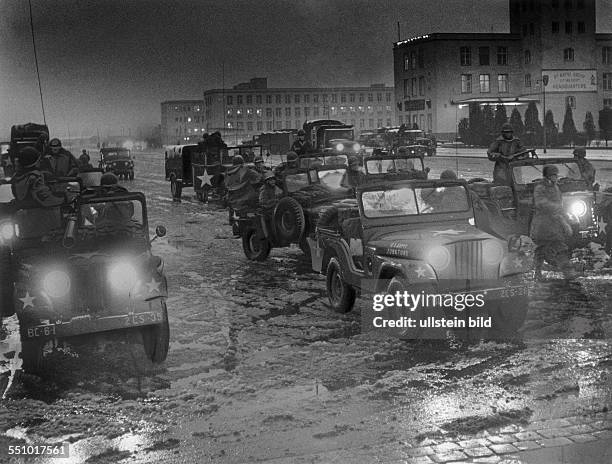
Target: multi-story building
(182, 121)
(550, 41)
(251, 108)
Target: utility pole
(544, 84)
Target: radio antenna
(42, 103)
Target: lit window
(607, 81)
(527, 80)
(413, 82)
(466, 83)
(502, 55)
(568, 54)
(502, 83)
(485, 83)
(406, 62)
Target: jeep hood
(422, 238)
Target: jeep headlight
(56, 284)
(439, 257)
(492, 252)
(340, 146)
(578, 208)
(122, 276)
(7, 231)
(356, 147)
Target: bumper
(145, 313)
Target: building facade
(251, 108)
(182, 121)
(552, 42)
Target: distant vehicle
(83, 268)
(24, 135)
(395, 166)
(276, 142)
(117, 160)
(331, 135)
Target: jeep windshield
(409, 201)
(332, 179)
(525, 174)
(295, 182)
(381, 166)
(318, 161)
(331, 134)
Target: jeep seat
(481, 188)
(503, 195)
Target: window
(268, 112)
(315, 111)
(249, 126)
(607, 102)
(239, 112)
(249, 112)
(388, 97)
(297, 112)
(239, 99)
(259, 112)
(388, 122)
(607, 81)
(258, 99)
(413, 82)
(413, 60)
(485, 83)
(334, 98)
(239, 125)
(287, 99)
(568, 54)
(269, 99)
(370, 97)
(421, 86)
(296, 98)
(342, 98)
(483, 56)
(361, 98)
(288, 112)
(230, 100)
(570, 101)
(406, 87)
(502, 55)
(278, 99)
(306, 98)
(278, 112)
(371, 123)
(502, 83)
(249, 99)
(568, 27)
(581, 27)
(527, 57)
(429, 122)
(362, 123)
(315, 98)
(527, 80)
(406, 61)
(466, 83)
(555, 27)
(465, 55)
(606, 55)
(306, 111)
(379, 97)
(324, 98)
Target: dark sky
(108, 64)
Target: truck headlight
(122, 276)
(7, 231)
(340, 147)
(356, 147)
(439, 257)
(578, 208)
(56, 284)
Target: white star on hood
(27, 300)
(204, 179)
(153, 286)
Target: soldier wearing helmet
(550, 228)
(58, 162)
(501, 152)
(586, 168)
(301, 146)
(353, 176)
(269, 193)
(28, 183)
(241, 182)
(260, 167)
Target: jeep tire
(289, 220)
(176, 188)
(255, 248)
(341, 295)
(156, 338)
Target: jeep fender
(340, 250)
(390, 269)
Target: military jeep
(305, 193)
(117, 160)
(515, 201)
(390, 166)
(419, 236)
(83, 268)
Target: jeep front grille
(90, 287)
(467, 258)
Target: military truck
(331, 135)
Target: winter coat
(30, 191)
(549, 221)
(500, 151)
(63, 164)
(587, 171)
(268, 196)
(301, 148)
(240, 183)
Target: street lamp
(544, 84)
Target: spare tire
(289, 220)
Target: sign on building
(570, 80)
(414, 105)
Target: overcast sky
(107, 65)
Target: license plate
(144, 318)
(41, 331)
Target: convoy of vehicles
(117, 160)
(276, 142)
(331, 135)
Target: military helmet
(28, 156)
(507, 127)
(550, 170)
(580, 152)
(268, 175)
(109, 178)
(237, 160)
(84, 158)
(258, 159)
(55, 143)
(353, 161)
(301, 132)
(448, 174)
(292, 156)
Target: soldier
(501, 152)
(550, 229)
(301, 146)
(260, 167)
(290, 166)
(84, 163)
(59, 162)
(586, 168)
(353, 175)
(269, 192)
(28, 183)
(240, 183)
